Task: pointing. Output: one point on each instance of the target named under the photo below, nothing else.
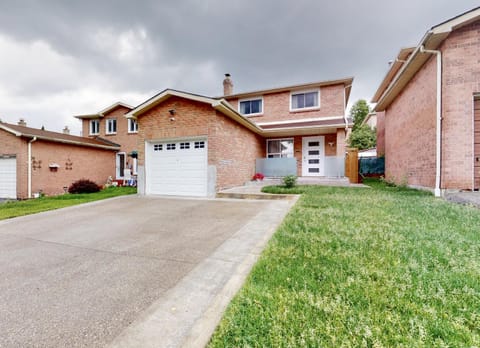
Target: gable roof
(219, 104)
(102, 113)
(27, 132)
(400, 74)
(347, 82)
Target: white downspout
(345, 117)
(438, 167)
(29, 169)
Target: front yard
(380, 267)
(32, 206)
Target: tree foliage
(363, 138)
(358, 112)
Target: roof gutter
(438, 152)
(29, 169)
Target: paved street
(78, 277)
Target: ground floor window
(279, 148)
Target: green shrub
(84, 186)
(289, 181)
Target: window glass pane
(256, 106)
(311, 99)
(297, 101)
(287, 148)
(313, 143)
(273, 146)
(314, 170)
(245, 107)
(314, 161)
(314, 152)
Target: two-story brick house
(110, 124)
(190, 144)
(428, 106)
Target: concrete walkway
(467, 197)
(253, 189)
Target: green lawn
(32, 206)
(352, 267)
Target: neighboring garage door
(8, 177)
(177, 168)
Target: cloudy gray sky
(63, 58)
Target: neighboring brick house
(34, 161)
(430, 99)
(110, 124)
(190, 144)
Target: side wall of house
(232, 149)
(13, 145)
(461, 79)
(75, 162)
(410, 131)
(277, 105)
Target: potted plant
(258, 177)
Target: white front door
(313, 156)
(8, 177)
(120, 165)
(177, 167)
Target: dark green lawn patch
(32, 206)
(357, 267)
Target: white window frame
(107, 123)
(280, 139)
(292, 93)
(132, 124)
(90, 127)
(251, 99)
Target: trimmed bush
(84, 186)
(289, 181)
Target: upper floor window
(304, 100)
(94, 127)
(132, 126)
(251, 107)
(111, 126)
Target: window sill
(133, 132)
(93, 134)
(110, 133)
(305, 109)
(252, 115)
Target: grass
(352, 267)
(19, 208)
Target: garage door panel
(8, 178)
(182, 170)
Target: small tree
(358, 112)
(363, 138)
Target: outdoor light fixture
(331, 144)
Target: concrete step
(237, 195)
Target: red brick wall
(127, 141)
(277, 106)
(87, 162)
(410, 131)
(13, 145)
(232, 149)
(410, 120)
(380, 133)
(461, 79)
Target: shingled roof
(27, 132)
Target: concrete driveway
(127, 272)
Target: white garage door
(177, 168)
(8, 177)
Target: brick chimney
(227, 85)
(66, 130)
(22, 122)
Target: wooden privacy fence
(351, 165)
